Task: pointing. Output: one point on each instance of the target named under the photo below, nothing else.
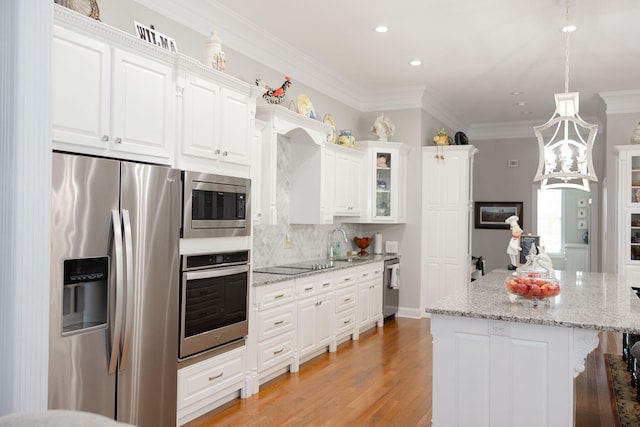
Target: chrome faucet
(346, 240)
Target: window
(550, 220)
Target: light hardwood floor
(384, 379)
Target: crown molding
(252, 41)
(510, 130)
(619, 102)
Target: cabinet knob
(224, 153)
(105, 137)
(118, 140)
(217, 151)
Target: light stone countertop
(261, 279)
(600, 301)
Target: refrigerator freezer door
(147, 381)
(84, 193)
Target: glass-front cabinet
(629, 212)
(384, 180)
(385, 184)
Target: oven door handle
(216, 272)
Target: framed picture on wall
(582, 224)
(582, 213)
(493, 214)
(582, 203)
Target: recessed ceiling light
(526, 113)
(517, 92)
(569, 28)
(521, 104)
(382, 29)
(415, 62)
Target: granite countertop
(601, 301)
(261, 279)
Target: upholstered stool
(635, 354)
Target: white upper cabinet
(218, 114)
(112, 95)
(348, 181)
(385, 182)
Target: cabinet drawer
(311, 285)
(345, 298)
(276, 351)
(347, 278)
(370, 272)
(275, 294)
(345, 322)
(204, 379)
(275, 322)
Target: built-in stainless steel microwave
(215, 205)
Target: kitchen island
(500, 364)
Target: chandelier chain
(566, 53)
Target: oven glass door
(213, 308)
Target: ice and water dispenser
(86, 294)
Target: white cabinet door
(499, 374)
(306, 325)
(315, 323)
(348, 171)
(376, 300)
(143, 105)
(256, 171)
(364, 304)
(200, 118)
(81, 98)
(446, 215)
(237, 127)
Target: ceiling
(474, 54)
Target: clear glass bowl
(532, 284)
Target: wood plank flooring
(384, 379)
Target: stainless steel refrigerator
(114, 289)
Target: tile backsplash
(307, 242)
(310, 242)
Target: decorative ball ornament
(85, 7)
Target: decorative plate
(328, 118)
(305, 107)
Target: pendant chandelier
(565, 159)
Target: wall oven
(213, 301)
(215, 205)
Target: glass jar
(532, 284)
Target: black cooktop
(293, 269)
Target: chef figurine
(514, 243)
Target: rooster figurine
(275, 96)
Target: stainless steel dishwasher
(391, 287)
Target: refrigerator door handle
(117, 322)
(129, 303)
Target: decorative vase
(346, 138)
(213, 54)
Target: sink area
(354, 260)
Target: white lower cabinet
(345, 305)
(315, 314)
(502, 374)
(210, 383)
(275, 343)
(296, 320)
(370, 296)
